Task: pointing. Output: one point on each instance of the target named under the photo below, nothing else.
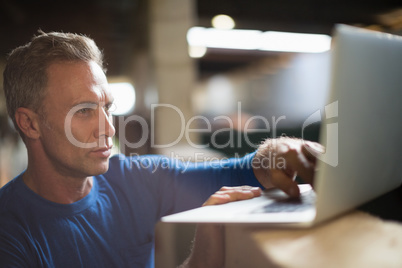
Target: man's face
(76, 129)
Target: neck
(52, 184)
(56, 188)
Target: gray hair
(25, 75)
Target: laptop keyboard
(305, 202)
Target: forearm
(196, 182)
(208, 248)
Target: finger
(217, 199)
(256, 191)
(285, 183)
(297, 162)
(245, 188)
(311, 150)
(239, 193)
(229, 194)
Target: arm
(176, 186)
(209, 242)
(275, 164)
(186, 185)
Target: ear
(27, 121)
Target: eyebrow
(84, 103)
(92, 103)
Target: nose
(106, 127)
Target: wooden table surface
(356, 239)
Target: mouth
(104, 152)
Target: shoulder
(126, 171)
(15, 242)
(16, 205)
(144, 164)
(8, 193)
(13, 235)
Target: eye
(83, 111)
(110, 108)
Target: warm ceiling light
(223, 22)
(124, 98)
(257, 40)
(295, 42)
(215, 38)
(197, 51)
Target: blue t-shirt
(113, 226)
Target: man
(74, 206)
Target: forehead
(77, 81)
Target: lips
(103, 152)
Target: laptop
(361, 129)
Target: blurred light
(295, 42)
(223, 22)
(232, 39)
(124, 98)
(257, 40)
(151, 96)
(220, 95)
(197, 51)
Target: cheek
(82, 131)
(52, 130)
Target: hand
(278, 161)
(209, 243)
(229, 194)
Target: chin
(101, 168)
